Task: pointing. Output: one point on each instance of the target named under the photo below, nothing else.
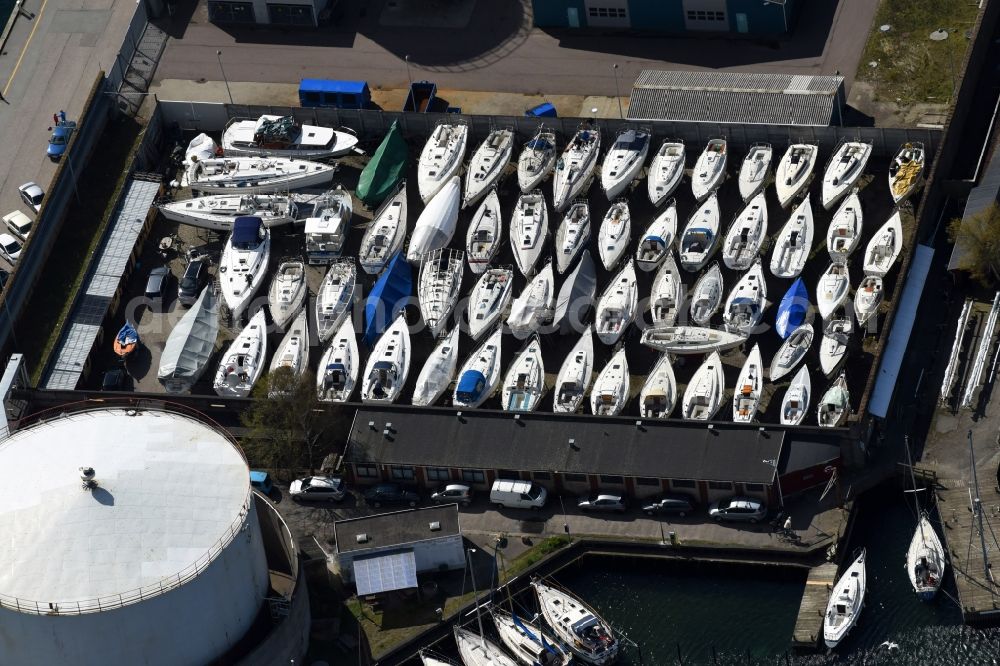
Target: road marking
(37, 21)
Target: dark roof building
(390, 530)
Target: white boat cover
(192, 341)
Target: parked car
(517, 494)
(603, 502)
(318, 488)
(10, 248)
(677, 504)
(738, 509)
(18, 224)
(60, 139)
(157, 286)
(190, 285)
(261, 482)
(32, 195)
(390, 493)
(116, 379)
(455, 492)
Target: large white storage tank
(160, 562)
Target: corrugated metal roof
(99, 288)
(735, 97)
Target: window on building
(646, 481)
(702, 15)
(684, 483)
(754, 487)
(473, 476)
(438, 474)
(291, 14)
(402, 473)
(607, 12)
(366, 471)
(720, 485)
(231, 12)
(575, 478)
(542, 476)
(612, 479)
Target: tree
(977, 243)
(289, 428)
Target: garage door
(607, 13)
(706, 15)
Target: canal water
(728, 614)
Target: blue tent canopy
(246, 231)
(390, 293)
(470, 385)
(792, 309)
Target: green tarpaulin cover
(385, 170)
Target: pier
(809, 624)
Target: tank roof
(171, 493)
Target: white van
(18, 224)
(517, 494)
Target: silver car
(603, 502)
(738, 509)
(455, 492)
(318, 488)
(32, 195)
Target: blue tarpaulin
(470, 385)
(390, 293)
(543, 110)
(246, 231)
(792, 310)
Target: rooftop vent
(361, 538)
(435, 526)
(87, 474)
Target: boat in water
(617, 307)
(755, 170)
(287, 292)
(573, 380)
(792, 309)
(537, 159)
(835, 405)
(792, 351)
(658, 239)
(681, 340)
(709, 170)
(385, 233)
(388, 365)
(794, 242)
(190, 345)
(700, 238)
(126, 340)
(624, 161)
(703, 395)
(588, 636)
(614, 235)
(438, 372)
(485, 234)
(665, 171)
(573, 235)
(283, 136)
(845, 168)
(475, 650)
(218, 212)
(706, 297)
(845, 604)
(480, 374)
(243, 362)
(534, 307)
(528, 230)
(574, 169)
(441, 159)
(487, 165)
(667, 293)
(791, 178)
(338, 367)
(659, 392)
(906, 171)
(524, 383)
(381, 177)
(836, 338)
(868, 298)
(832, 289)
(744, 308)
(885, 247)
(243, 265)
(529, 643)
(291, 355)
(437, 222)
(489, 300)
(746, 235)
(610, 392)
(335, 297)
(255, 175)
(750, 383)
(845, 229)
(795, 404)
(576, 296)
(437, 288)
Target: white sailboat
(610, 392)
(489, 300)
(335, 297)
(690, 339)
(580, 627)
(537, 159)
(475, 650)
(287, 293)
(218, 212)
(709, 170)
(573, 235)
(746, 235)
(794, 242)
(792, 351)
(746, 396)
(528, 231)
(385, 233)
(659, 393)
(906, 171)
(795, 404)
(846, 167)
(529, 643)
(255, 175)
(284, 136)
(624, 161)
(706, 297)
(574, 376)
(487, 165)
(700, 238)
(845, 229)
(293, 351)
(428, 658)
(868, 298)
(925, 558)
(614, 235)
(480, 374)
(744, 308)
(833, 347)
(616, 308)
(703, 395)
(244, 264)
(485, 233)
(665, 171)
(835, 404)
(535, 306)
(575, 168)
(832, 289)
(846, 601)
(667, 293)
(243, 363)
(338, 367)
(884, 247)
(437, 287)
(755, 170)
(441, 158)
(794, 170)
(388, 365)
(436, 225)
(438, 372)
(524, 383)
(658, 239)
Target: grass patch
(534, 555)
(911, 67)
(100, 184)
(387, 626)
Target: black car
(116, 379)
(157, 286)
(189, 288)
(390, 493)
(680, 505)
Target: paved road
(499, 51)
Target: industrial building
(385, 552)
(747, 17)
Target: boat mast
(977, 508)
(915, 490)
(475, 594)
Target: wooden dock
(809, 625)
